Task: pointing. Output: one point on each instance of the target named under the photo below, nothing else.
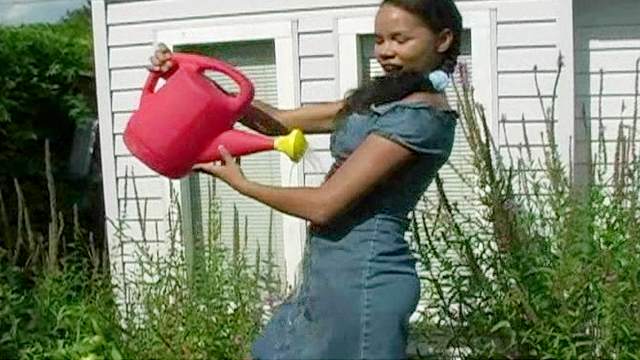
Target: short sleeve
(418, 127)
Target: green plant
(56, 298)
(46, 87)
(210, 308)
(547, 267)
(56, 316)
(59, 301)
(46, 91)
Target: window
(357, 63)
(458, 166)
(266, 53)
(255, 59)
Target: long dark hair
(437, 15)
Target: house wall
(531, 38)
(528, 33)
(608, 40)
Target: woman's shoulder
(418, 125)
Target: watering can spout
(293, 145)
(240, 143)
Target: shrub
(547, 267)
(58, 299)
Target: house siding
(527, 36)
(528, 39)
(607, 40)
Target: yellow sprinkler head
(294, 144)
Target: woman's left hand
(228, 171)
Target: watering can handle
(150, 84)
(202, 63)
(154, 76)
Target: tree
(47, 90)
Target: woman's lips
(391, 68)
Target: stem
(601, 143)
(635, 113)
(525, 135)
(142, 214)
(54, 239)
(4, 220)
(19, 240)
(24, 218)
(506, 141)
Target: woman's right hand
(161, 59)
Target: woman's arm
(374, 160)
(311, 119)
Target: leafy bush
(46, 90)
(209, 307)
(61, 303)
(46, 86)
(213, 314)
(547, 267)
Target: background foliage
(547, 266)
(46, 91)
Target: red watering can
(183, 123)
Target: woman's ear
(445, 39)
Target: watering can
(185, 121)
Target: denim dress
(359, 282)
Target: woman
(389, 138)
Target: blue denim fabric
(359, 277)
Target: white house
(301, 52)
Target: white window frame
(284, 36)
(478, 18)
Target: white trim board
(108, 162)
(284, 35)
(163, 10)
(227, 33)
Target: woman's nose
(385, 51)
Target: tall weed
(64, 299)
(546, 267)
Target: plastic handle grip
(150, 85)
(154, 76)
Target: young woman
(389, 138)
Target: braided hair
(437, 15)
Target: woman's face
(405, 43)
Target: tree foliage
(46, 91)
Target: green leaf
(500, 325)
(115, 353)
